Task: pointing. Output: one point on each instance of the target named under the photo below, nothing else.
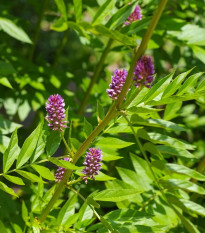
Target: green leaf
(175, 84)
(175, 99)
(100, 112)
(30, 176)
(175, 151)
(92, 202)
(156, 123)
(14, 179)
(53, 142)
(122, 128)
(113, 143)
(199, 53)
(11, 152)
(102, 177)
(78, 9)
(60, 25)
(7, 126)
(3, 228)
(6, 69)
(64, 164)
(189, 83)
(183, 184)
(189, 33)
(196, 208)
(142, 169)
(5, 82)
(171, 110)
(24, 212)
(116, 195)
(39, 150)
(143, 110)
(87, 128)
(62, 8)
(164, 139)
(67, 210)
(16, 228)
(127, 215)
(121, 15)
(132, 178)
(43, 171)
(10, 28)
(158, 88)
(6, 189)
(188, 224)
(185, 170)
(103, 11)
(29, 146)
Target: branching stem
(95, 76)
(111, 114)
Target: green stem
(38, 28)
(95, 77)
(93, 209)
(82, 197)
(140, 51)
(150, 167)
(61, 47)
(142, 150)
(111, 114)
(66, 145)
(74, 181)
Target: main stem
(95, 77)
(111, 114)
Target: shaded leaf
(6, 189)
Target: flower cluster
(56, 112)
(136, 15)
(118, 81)
(92, 163)
(144, 72)
(60, 172)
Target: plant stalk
(111, 114)
(61, 47)
(95, 76)
(38, 28)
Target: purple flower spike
(118, 81)
(60, 172)
(92, 163)
(56, 112)
(144, 72)
(136, 15)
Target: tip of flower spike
(144, 72)
(135, 15)
(92, 163)
(118, 80)
(56, 113)
(60, 172)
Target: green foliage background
(51, 47)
